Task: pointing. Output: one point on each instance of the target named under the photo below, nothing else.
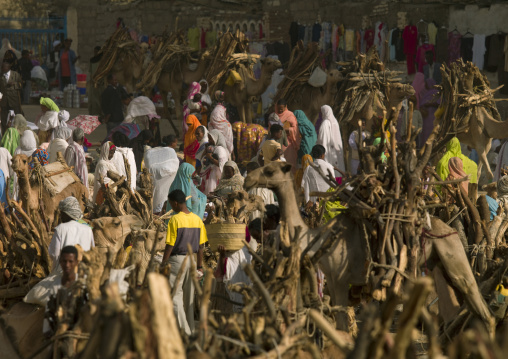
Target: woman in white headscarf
(219, 121)
(213, 160)
(59, 143)
(101, 170)
(201, 134)
(330, 138)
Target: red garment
(420, 55)
(203, 38)
(453, 46)
(358, 42)
(410, 37)
(64, 64)
(368, 37)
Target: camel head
(241, 201)
(111, 231)
(272, 176)
(397, 92)
(333, 77)
(270, 65)
(20, 164)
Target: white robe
(120, 154)
(102, 168)
(162, 163)
(5, 162)
(312, 180)
(48, 120)
(330, 138)
(234, 272)
(55, 146)
(69, 234)
(216, 171)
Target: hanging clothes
(308, 34)
(316, 32)
(301, 32)
(335, 41)
(342, 43)
(479, 50)
(466, 48)
(442, 45)
(432, 32)
(327, 32)
(369, 39)
(202, 43)
(350, 44)
(410, 37)
(453, 46)
(193, 37)
(293, 33)
(422, 28)
(211, 38)
(358, 42)
(391, 45)
(494, 52)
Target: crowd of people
(189, 172)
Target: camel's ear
(240, 196)
(263, 61)
(286, 168)
(97, 223)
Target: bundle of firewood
(229, 53)
(121, 200)
(235, 208)
(302, 63)
(119, 45)
(365, 84)
(463, 89)
(170, 52)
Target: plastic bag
(318, 77)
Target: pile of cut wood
(119, 45)
(230, 52)
(366, 82)
(171, 52)
(463, 89)
(303, 61)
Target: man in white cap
(52, 60)
(70, 231)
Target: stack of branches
(229, 53)
(119, 45)
(463, 90)
(235, 208)
(303, 61)
(365, 80)
(170, 52)
(121, 200)
(24, 256)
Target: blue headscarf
(183, 182)
(493, 206)
(308, 132)
(3, 190)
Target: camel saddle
(57, 176)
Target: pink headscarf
(419, 85)
(194, 88)
(456, 168)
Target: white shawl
(330, 138)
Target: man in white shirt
(312, 181)
(70, 232)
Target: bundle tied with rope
(54, 177)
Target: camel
(29, 190)
(239, 95)
(348, 259)
(128, 69)
(110, 232)
(481, 130)
(142, 246)
(172, 82)
(310, 99)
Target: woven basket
(231, 236)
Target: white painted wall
(487, 21)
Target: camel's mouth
(249, 183)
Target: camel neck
(289, 209)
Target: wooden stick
(330, 331)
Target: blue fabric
(493, 206)
(3, 189)
(72, 58)
(308, 132)
(474, 156)
(183, 182)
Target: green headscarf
(10, 140)
(376, 142)
(453, 150)
(50, 104)
(308, 132)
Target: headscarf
(42, 155)
(273, 119)
(493, 206)
(27, 144)
(376, 142)
(306, 161)
(205, 96)
(331, 208)
(455, 167)
(63, 116)
(219, 121)
(202, 146)
(419, 85)
(59, 143)
(10, 140)
(330, 138)
(453, 150)
(70, 206)
(502, 189)
(50, 104)
(138, 146)
(19, 123)
(218, 138)
(232, 184)
(183, 181)
(308, 132)
(191, 144)
(63, 133)
(219, 96)
(103, 166)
